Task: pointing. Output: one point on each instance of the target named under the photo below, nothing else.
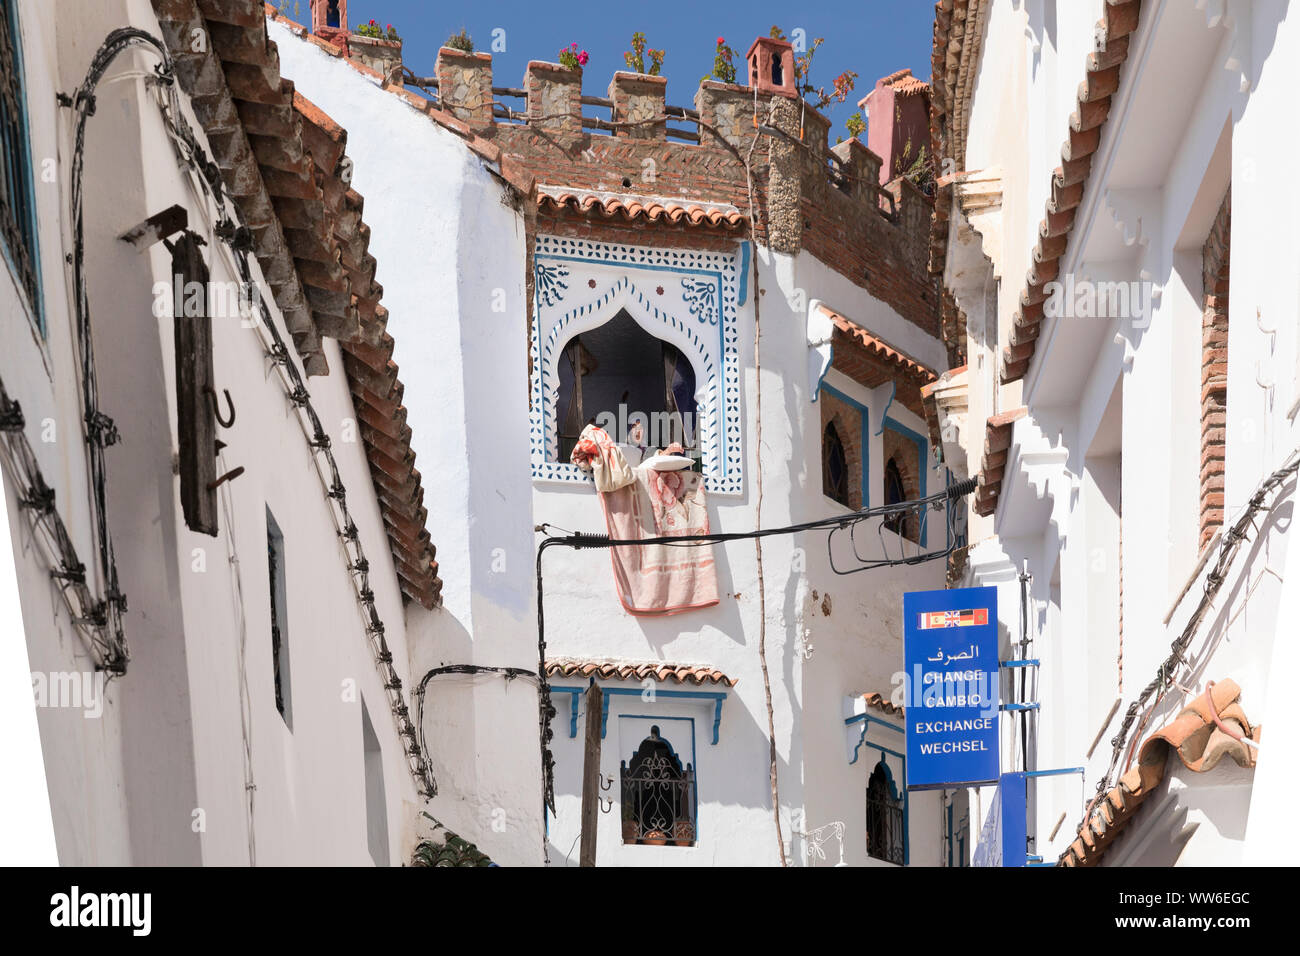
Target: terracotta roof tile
(1093, 102)
(631, 207)
(904, 83)
(1208, 729)
(879, 346)
(882, 703)
(610, 669)
(997, 439)
(957, 40)
(282, 160)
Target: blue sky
(872, 37)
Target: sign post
(950, 651)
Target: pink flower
(721, 41)
(582, 58)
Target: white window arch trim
(687, 298)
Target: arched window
(835, 466)
(896, 493)
(332, 14)
(885, 820)
(620, 373)
(658, 795)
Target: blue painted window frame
(922, 462)
(864, 438)
(18, 165)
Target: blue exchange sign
(950, 651)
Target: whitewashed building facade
(1121, 262)
(563, 235)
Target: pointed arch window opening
(835, 466)
(619, 372)
(896, 493)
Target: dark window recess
(17, 208)
(621, 364)
(279, 622)
(895, 493)
(196, 417)
(332, 14)
(835, 466)
(885, 818)
(658, 796)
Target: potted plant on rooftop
(636, 57)
(571, 58)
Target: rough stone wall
(806, 195)
(382, 56)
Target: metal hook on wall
(228, 476)
(216, 409)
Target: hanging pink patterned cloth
(641, 503)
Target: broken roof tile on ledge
(630, 207)
(1211, 727)
(612, 669)
(282, 162)
(883, 704)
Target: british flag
(972, 617)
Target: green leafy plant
(856, 125)
(919, 172)
(572, 57)
(724, 69)
(373, 29)
(460, 41)
(454, 851)
(635, 58)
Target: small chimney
(771, 66)
(898, 122)
(329, 21)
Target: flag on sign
(969, 618)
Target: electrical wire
(1166, 673)
(579, 540)
(237, 242)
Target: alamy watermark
(651, 430)
(82, 690)
(1084, 299)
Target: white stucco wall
(160, 777)
(814, 659)
(1166, 159)
(450, 247)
